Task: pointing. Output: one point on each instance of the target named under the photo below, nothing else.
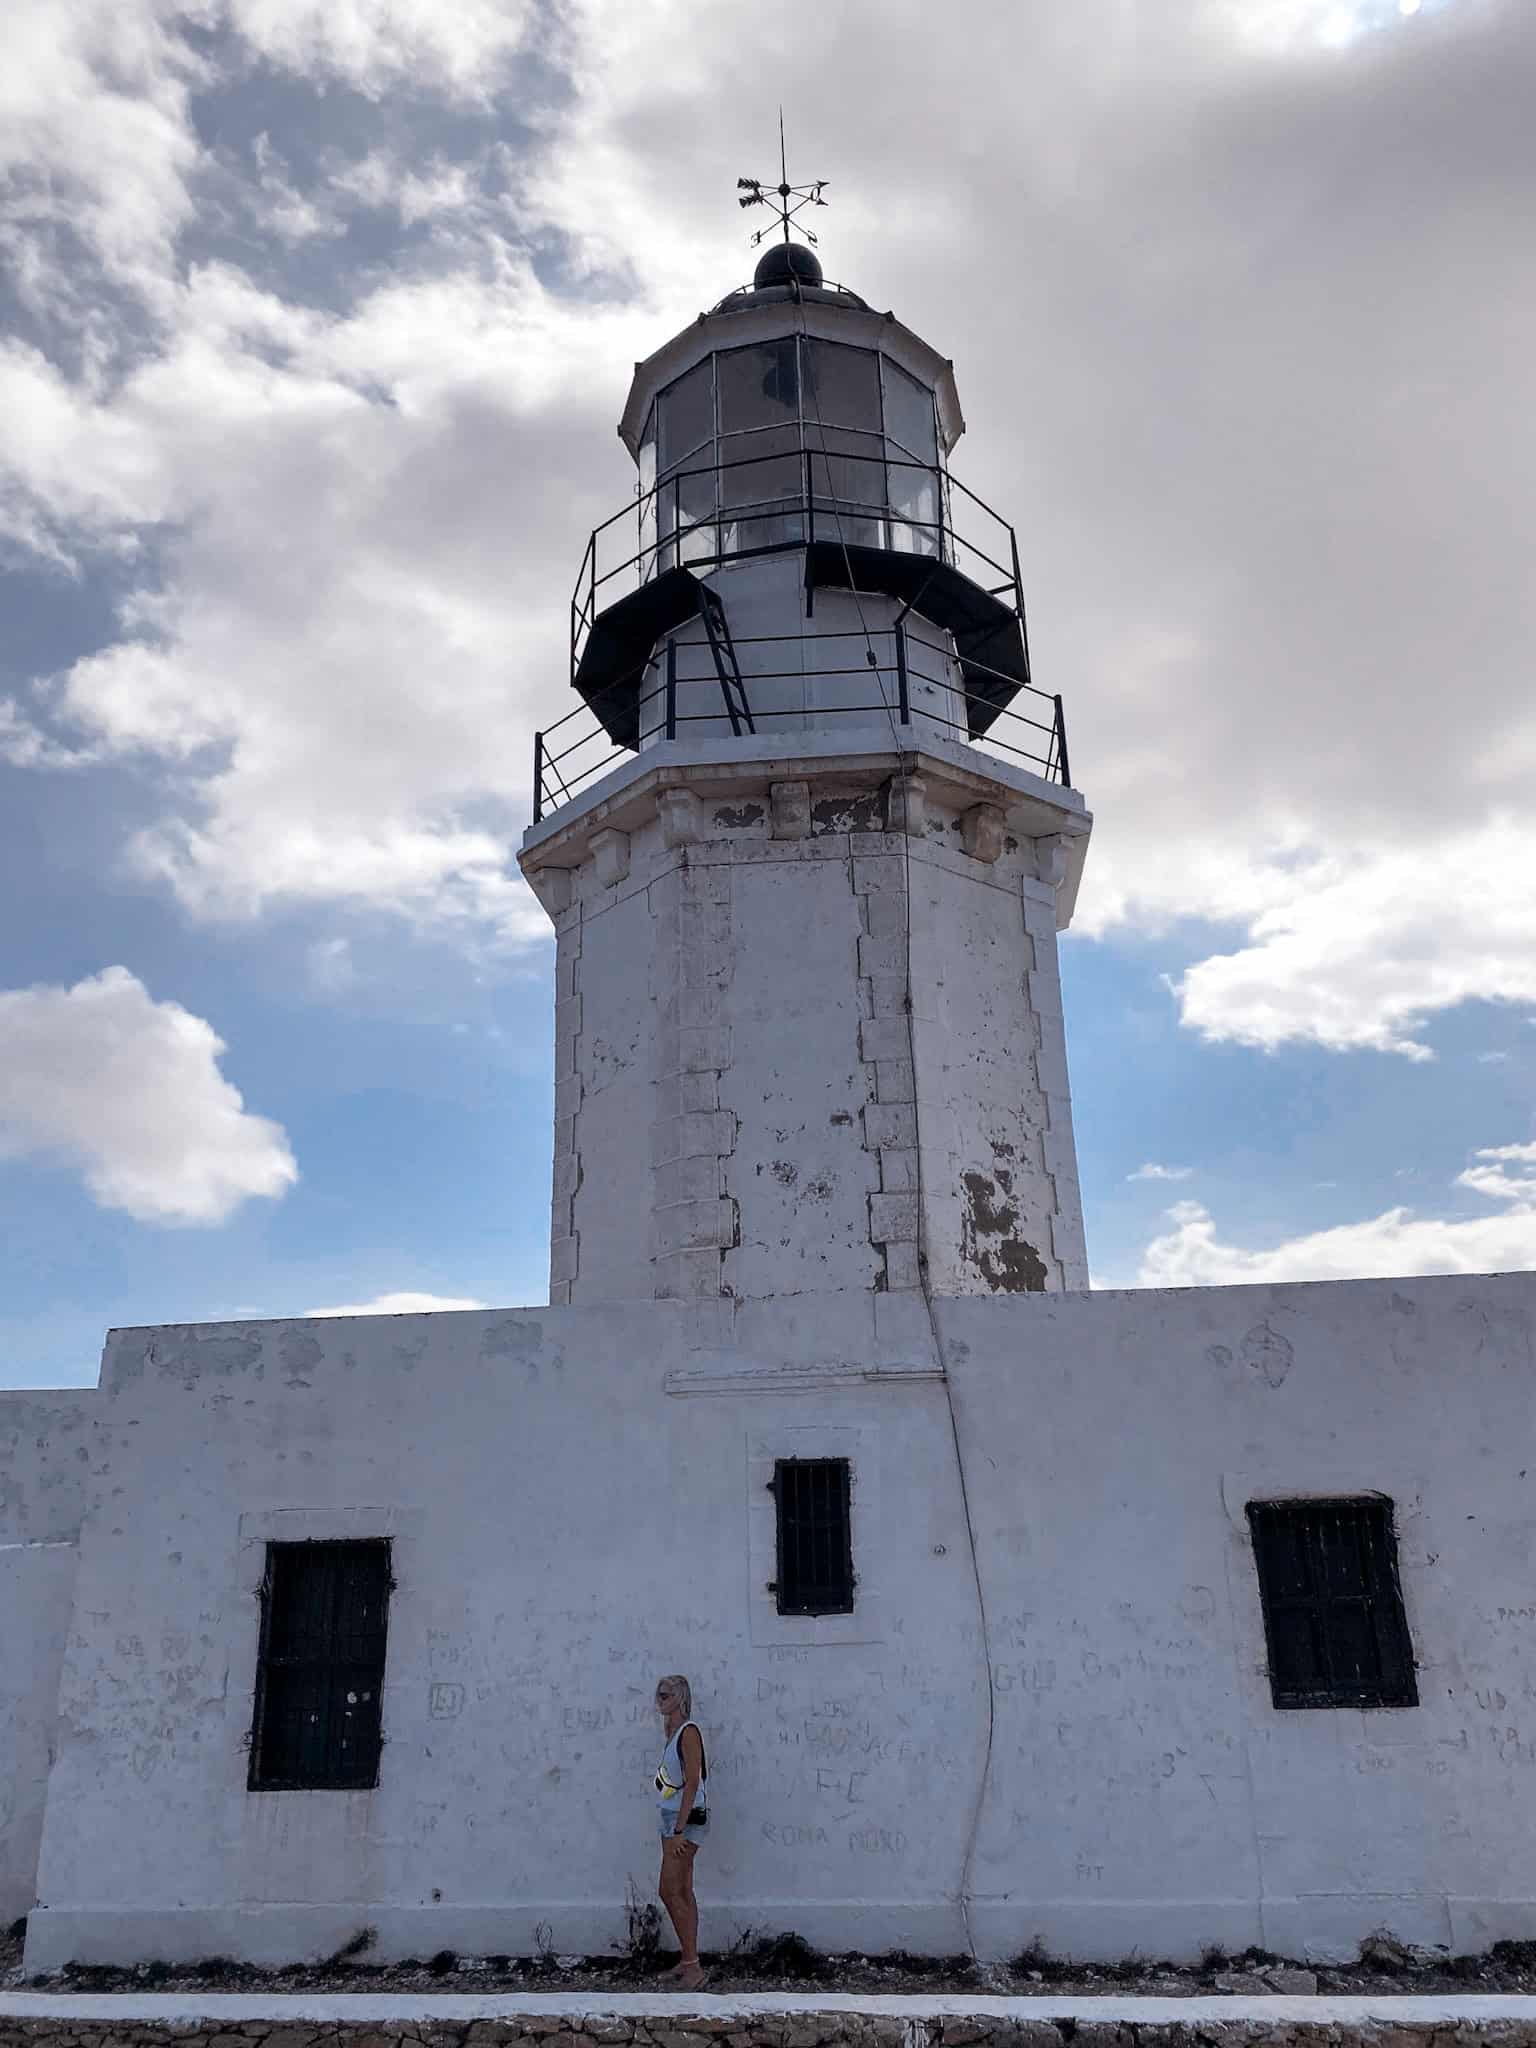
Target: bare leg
(676, 1889)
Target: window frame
(888, 432)
(873, 521)
(837, 1592)
(1302, 1518)
(264, 1773)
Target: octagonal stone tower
(806, 840)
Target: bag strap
(703, 1758)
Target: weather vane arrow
(787, 200)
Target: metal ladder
(727, 667)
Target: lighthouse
(1116, 1621)
(807, 838)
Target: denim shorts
(666, 1824)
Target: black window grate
(1333, 1608)
(814, 1548)
(320, 1671)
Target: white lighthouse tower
(807, 840)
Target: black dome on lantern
(786, 263)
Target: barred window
(320, 1670)
(814, 1548)
(1333, 1609)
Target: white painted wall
(47, 1453)
(1145, 1793)
(801, 673)
(576, 1498)
(560, 1521)
(737, 1104)
(36, 1588)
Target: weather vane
(787, 199)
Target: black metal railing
(979, 542)
(576, 749)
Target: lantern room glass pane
(647, 489)
(847, 468)
(909, 419)
(756, 469)
(696, 539)
(842, 385)
(687, 410)
(647, 456)
(742, 534)
(914, 509)
(759, 387)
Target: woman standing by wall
(682, 1778)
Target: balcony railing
(653, 694)
(896, 667)
(657, 532)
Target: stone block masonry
(885, 1047)
(693, 1220)
(805, 1038)
(806, 2021)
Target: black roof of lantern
(788, 271)
(786, 263)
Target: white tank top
(670, 1773)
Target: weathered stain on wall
(989, 1239)
(848, 811)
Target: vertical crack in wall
(564, 1239)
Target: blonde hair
(680, 1690)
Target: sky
(318, 316)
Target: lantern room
(797, 552)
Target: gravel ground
(785, 1963)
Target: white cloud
(1285, 558)
(1395, 1243)
(1494, 1180)
(128, 1091)
(96, 129)
(1278, 26)
(380, 180)
(75, 473)
(374, 44)
(1152, 1171)
(22, 745)
(95, 132)
(358, 551)
(406, 1304)
(332, 970)
(1365, 947)
(284, 210)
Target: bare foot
(690, 1976)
